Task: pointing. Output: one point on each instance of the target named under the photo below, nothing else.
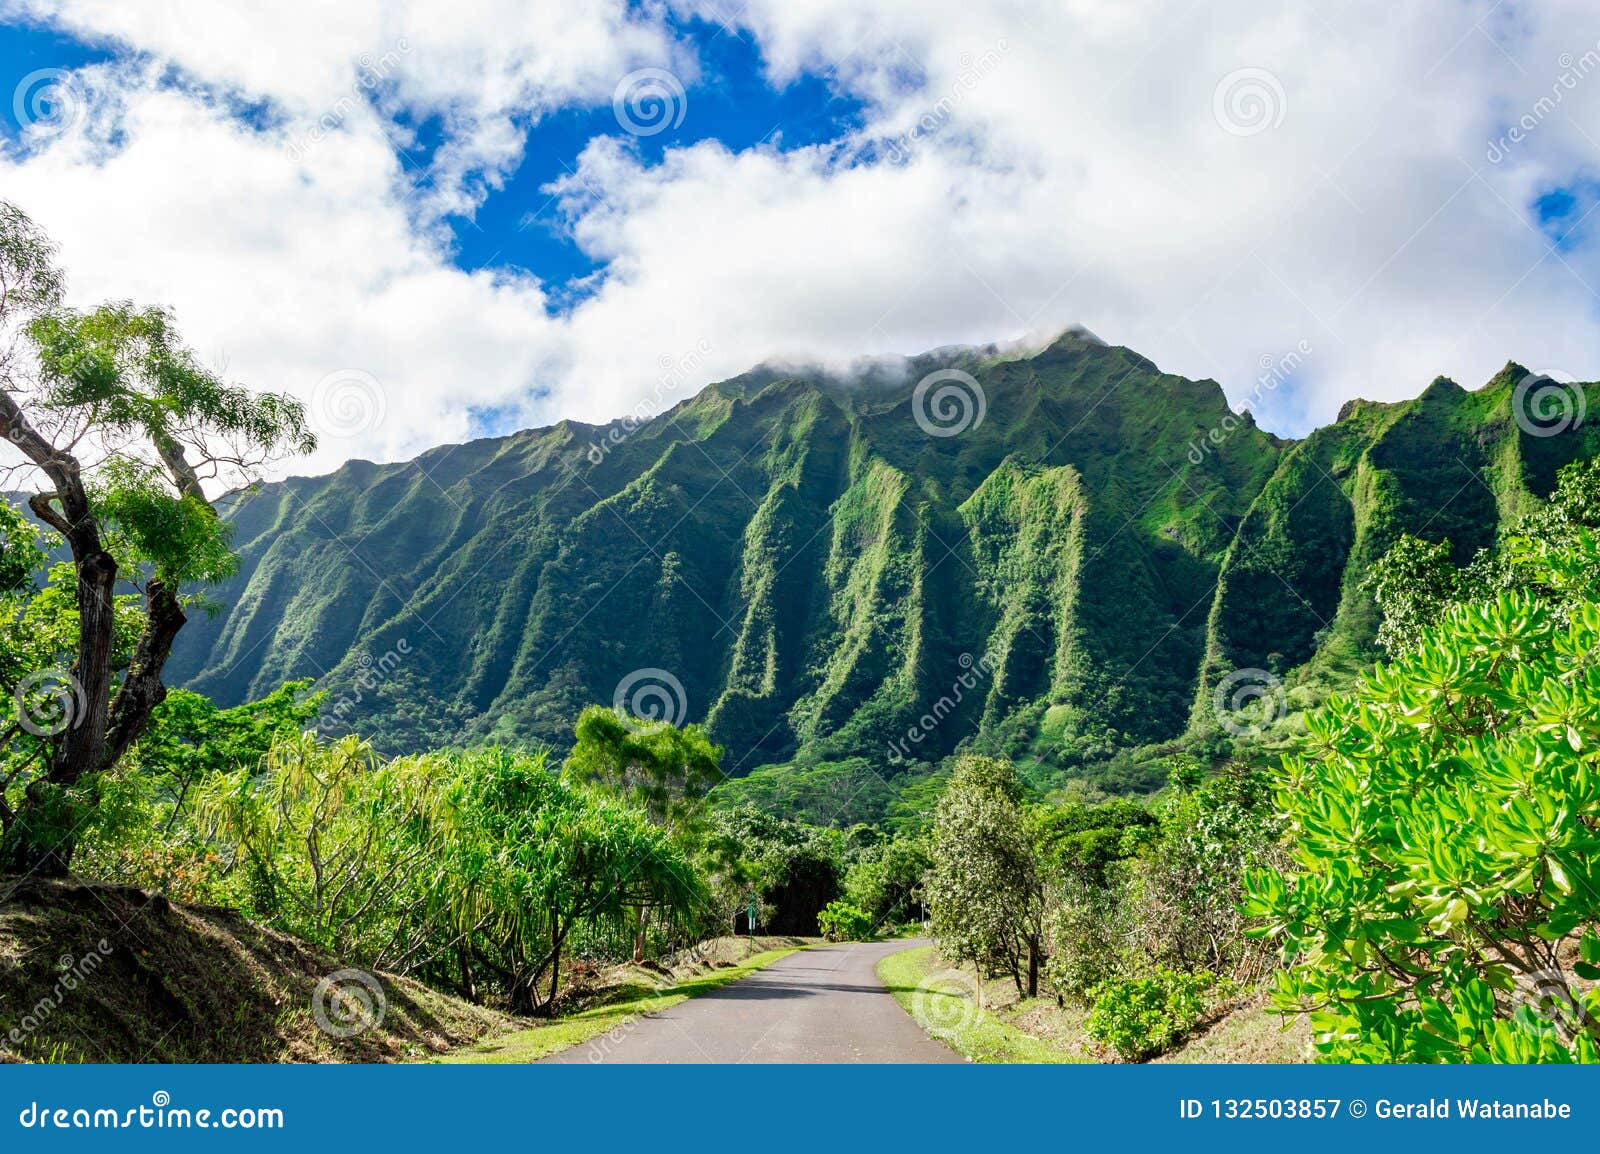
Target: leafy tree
(22, 555)
(1083, 841)
(1412, 583)
(794, 869)
(987, 890)
(735, 877)
(1094, 934)
(664, 770)
(1085, 850)
(329, 839)
(38, 638)
(529, 856)
(191, 738)
(119, 427)
(817, 792)
(1415, 581)
(1188, 881)
(801, 880)
(472, 870)
(886, 879)
(1443, 823)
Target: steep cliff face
(811, 564)
(1450, 465)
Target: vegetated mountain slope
(1450, 465)
(824, 577)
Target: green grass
(633, 1000)
(1251, 1034)
(941, 1001)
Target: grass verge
(1251, 1033)
(943, 1003)
(627, 1003)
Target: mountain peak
(1075, 335)
(1440, 388)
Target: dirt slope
(95, 973)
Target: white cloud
(1023, 166)
(286, 272)
(1364, 219)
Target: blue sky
(519, 226)
(27, 45)
(479, 242)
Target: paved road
(818, 1005)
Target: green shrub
(886, 879)
(1184, 904)
(1093, 933)
(465, 869)
(1443, 825)
(843, 922)
(1142, 1017)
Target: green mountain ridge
(823, 578)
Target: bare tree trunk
(464, 963)
(37, 841)
(556, 938)
(638, 937)
(142, 689)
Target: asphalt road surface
(819, 1005)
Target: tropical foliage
(1128, 908)
(986, 890)
(1444, 827)
(473, 870)
(1141, 1017)
(843, 922)
(1417, 580)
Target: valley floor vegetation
(1416, 879)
